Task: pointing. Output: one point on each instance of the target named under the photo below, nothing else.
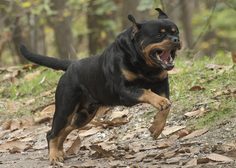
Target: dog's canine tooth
(158, 57)
(165, 62)
(171, 59)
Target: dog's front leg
(130, 96)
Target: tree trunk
(187, 7)
(130, 7)
(32, 36)
(61, 24)
(101, 34)
(210, 37)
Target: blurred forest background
(73, 29)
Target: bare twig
(231, 6)
(207, 24)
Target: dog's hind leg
(67, 104)
(83, 114)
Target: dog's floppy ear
(136, 26)
(162, 15)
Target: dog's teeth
(158, 57)
(165, 62)
(171, 59)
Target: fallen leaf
(32, 75)
(135, 146)
(26, 121)
(29, 102)
(43, 131)
(21, 136)
(231, 153)
(15, 150)
(12, 68)
(48, 110)
(175, 70)
(39, 120)
(116, 121)
(95, 123)
(171, 130)
(192, 114)
(131, 134)
(92, 131)
(219, 158)
(15, 125)
(103, 110)
(196, 133)
(73, 150)
(108, 146)
(8, 145)
(40, 146)
(127, 156)
(196, 88)
(202, 160)
(164, 144)
(7, 125)
(2, 133)
(118, 164)
(120, 113)
(32, 66)
(13, 106)
(192, 162)
(218, 67)
(102, 153)
(233, 57)
(89, 164)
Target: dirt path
(128, 144)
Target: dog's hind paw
(53, 158)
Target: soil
(137, 149)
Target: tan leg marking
(54, 154)
(159, 123)
(157, 101)
(56, 151)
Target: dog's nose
(175, 41)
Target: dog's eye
(175, 33)
(159, 35)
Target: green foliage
(147, 4)
(44, 6)
(104, 6)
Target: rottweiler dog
(133, 69)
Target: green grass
(24, 90)
(188, 101)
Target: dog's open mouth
(164, 58)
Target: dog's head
(156, 40)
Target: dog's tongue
(165, 55)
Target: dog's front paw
(162, 104)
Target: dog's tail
(50, 62)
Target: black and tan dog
(131, 70)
